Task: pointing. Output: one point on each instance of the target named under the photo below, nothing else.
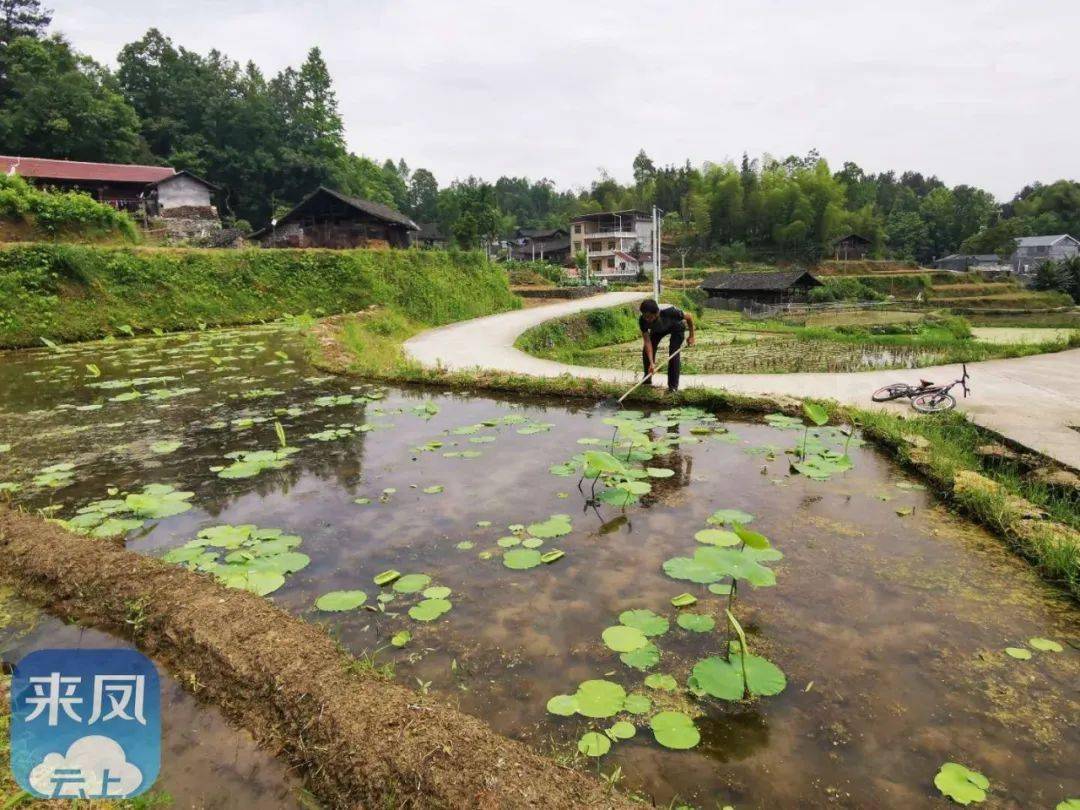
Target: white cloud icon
(91, 757)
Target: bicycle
(926, 397)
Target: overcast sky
(985, 92)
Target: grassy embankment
(80, 292)
(1040, 522)
(729, 343)
(28, 214)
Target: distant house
(851, 246)
(962, 262)
(780, 287)
(329, 219)
(430, 236)
(619, 244)
(541, 244)
(1034, 251)
(149, 191)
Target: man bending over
(655, 324)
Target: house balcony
(609, 235)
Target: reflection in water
(889, 629)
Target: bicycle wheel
(891, 392)
(933, 402)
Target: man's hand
(652, 369)
(690, 341)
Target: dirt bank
(359, 740)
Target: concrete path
(1031, 400)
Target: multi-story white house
(618, 244)
(1034, 251)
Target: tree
(22, 18)
(644, 169)
(60, 104)
(423, 203)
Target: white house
(1034, 251)
(618, 244)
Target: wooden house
(761, 288)
(852, 246)
(329, 219)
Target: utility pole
(656, 253)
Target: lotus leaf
(649, 623)
(555, 526)
(554, 555)
(336, 601)
(1068, 804)
(244, 578)
(599, 698)
(674, 730)
(412, 583)
(664, 683)
(386, 577)
(509, 541)
(429, 609)
(717, 537)
(683, 600)
(622, 731)
(532, 542)
(961, 784)
(751, 539)
(436, 592)
(643, 658)
(815, 413)
(1045, 645)
(696, 622)
(637, 703)
(158, 501)
(711, 564)
(623, 639)
(165, 447)
(563, 705)
(435, 489)
(401, 638)
(520, 559)
(723, 516)
(464, 545)
(362, 501)
(659, 472)
(1018, 653)
(592, 744)
(116, 526)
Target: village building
(851, 246)
(329, 219)
(1034, 251)
(618, 244)
(430, 235)
(541, 245)
(176, 203)
(782, 287)
(963, 262)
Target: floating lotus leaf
(623, 639)
(563, 705)
(1018, 653)
(483, 524)
(436, 592)
(548, 557)
(717, 677)
(1045, 645)
(674, 730)
(592, 744)
(386, 577)
(287, 563)
(401, 638)
(158, 501)
(622, 731)
(434, 489)
(337, 601)
(637, 703)
(751, 539)
(659, 472)
(429, 609)
(116, 526)
(635, 487)
(362, 501)
(649, 623)
(531, 542)
(664, 683)
(520, 559)
(784, 422)
(961, 784)
(696, 622)
(617, 497)
(642, 658)
(1068, 804)
(411, 583)
(247, 579)
(684, 600)
(555, 526)
(711, 564)
(165, 447)
(717, 537)
(509, 541)
(723, 516)
(464, 545)
(563, 470)
(599, 698)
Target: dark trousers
(675, 364)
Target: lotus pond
(704, 611)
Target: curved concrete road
(1031, 400)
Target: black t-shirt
(670, 320)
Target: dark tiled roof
(1042, 241)
(857, 237)
(377, 210)
(431, 231)
(540, 233)
(752, 282)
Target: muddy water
(890, 628)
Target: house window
(577, 228)
(610, 245)
(577, 246)
(611, 262)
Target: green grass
(80, 292)
(28, 212)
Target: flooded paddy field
(876, 623)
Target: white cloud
(977, 91)
(92, 756)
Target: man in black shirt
(655, 324)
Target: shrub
(844, 289)
(67, 215)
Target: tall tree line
(268, 141)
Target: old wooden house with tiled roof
(329, 219)
(779, 287)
